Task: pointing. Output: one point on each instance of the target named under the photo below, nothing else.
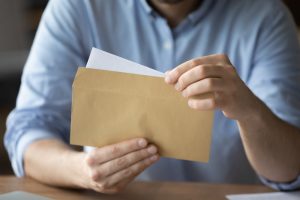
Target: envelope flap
(145, 86)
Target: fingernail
(142, 143)
(152, 150)
(167, 79)
(191, 104)
(154, 158)
(177, 87)
(184, 93)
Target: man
(245, 52)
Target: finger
(203, 104)
(216, 59)
(104, 154)
(119, 186)
(123, 162)
(167, 72)
(131, 171)
(173, 75)
(203, 86)
(198, 73)
(125, 182)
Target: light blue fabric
(258, 36)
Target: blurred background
(18, 23)
(19, 20)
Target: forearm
(272, 145)
(53, 162)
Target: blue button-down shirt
(258, 36)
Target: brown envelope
(109, 107)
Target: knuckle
(212, 103)
(181, 80)
(128, 173)
(201, 70)
(226, 59)
(176, 72)
(102, 186)
(94, 175)
(136, 169)
(222, 56)
(232, 69)
(89, 160)
(193, 62)
(229, 67)
(115, 150)
(91, 157)
(121, 162)
(143, 153)
(132, 145)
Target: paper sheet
(103, 60)
(266, 196)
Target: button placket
(167, 46)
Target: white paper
(102, 60)
(266, 196)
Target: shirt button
(167, 45)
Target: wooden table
(136, 190)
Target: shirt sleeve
(44, 101)
(293, 185)
(275, 77)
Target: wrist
(76, 169)
(257, 112)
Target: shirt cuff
(24, 141)
(293, 185)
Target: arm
(108, 169)
(38, 129)
(44, 101)
(268, 114)
(62, 166)
(271, 144)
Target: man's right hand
(109, 169)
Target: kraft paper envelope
(110, 106)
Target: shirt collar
(146, 6)
(200, 12)
(194, 17)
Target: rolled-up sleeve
(44, 101)
(16, 154)
(275, 76)
(293, 185)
